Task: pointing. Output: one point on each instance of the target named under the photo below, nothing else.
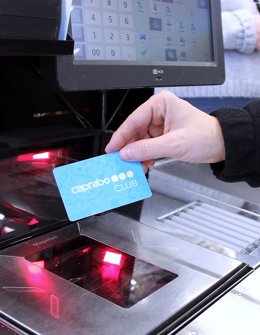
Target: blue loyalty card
(99, 184)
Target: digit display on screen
(121, 44)
(142, 30)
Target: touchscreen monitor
(143, 43)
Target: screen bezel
(103, 75)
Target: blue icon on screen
(142, 37)
(155, 23)
(170, 54)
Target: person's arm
(257, 24)
(167, 126)
(240, 30)
(232, 5)
(241, 133)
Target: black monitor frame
(98, 75)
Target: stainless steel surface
(221, 219)
(51, 305)
(202, 230)
(226, 229)
(198, 179)
(236, 313)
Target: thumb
(147, 149)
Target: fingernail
(125, 153)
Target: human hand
(257, 25)
(167, 126)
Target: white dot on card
(130, 174)
(122, 176)
(114, 178)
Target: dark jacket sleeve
(241, 131)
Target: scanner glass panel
(114, 275)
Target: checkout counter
(185, 261)
(176, 263)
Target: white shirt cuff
(239, 31)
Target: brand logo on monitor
(157, 71)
